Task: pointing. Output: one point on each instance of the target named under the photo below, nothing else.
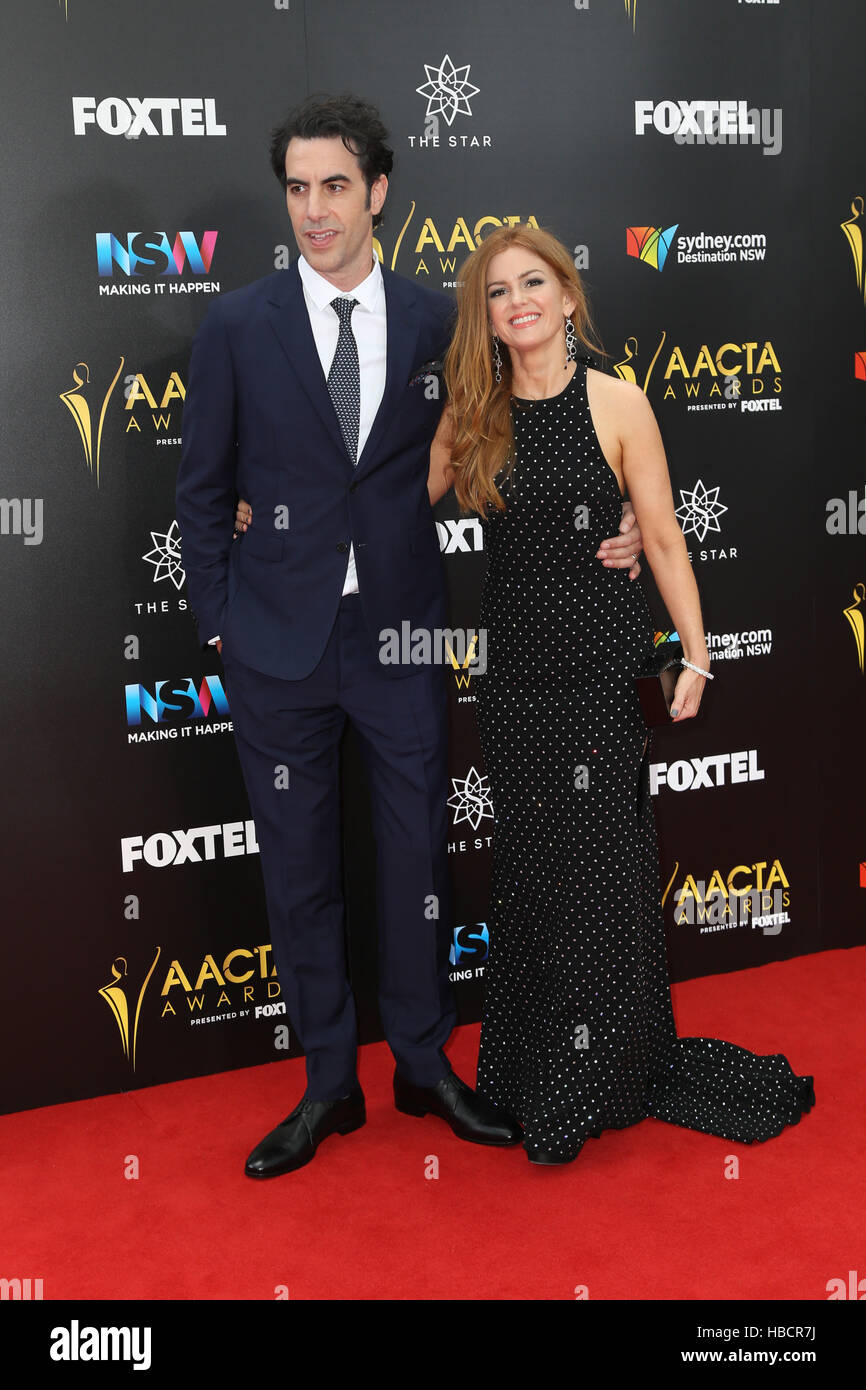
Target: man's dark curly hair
(356, 122)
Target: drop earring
(570, 343)
(497, 359)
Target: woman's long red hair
(482, 437)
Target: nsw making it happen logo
(150, 261)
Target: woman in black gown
(578, 1033)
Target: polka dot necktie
(344, 378)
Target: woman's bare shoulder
(624, 395)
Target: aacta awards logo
(447, 243)
(744, 376)
(462, 672)
(448, 92)
(148, 407)
(212, 992)
(153, 403)
(749, 895)
(853, 230)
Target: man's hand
(243, 516)
(619, 552)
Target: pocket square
(426, 369)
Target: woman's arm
(645, 472)
(441, 475)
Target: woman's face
(526, 304)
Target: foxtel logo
(134, 116)
(689, 776)
(169, 848)
(464, 534)
(711, 122)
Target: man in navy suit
(305, 397)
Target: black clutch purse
(656, 682)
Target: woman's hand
(687, 695)
(620, 551)
(243, 516)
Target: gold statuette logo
(854, 232)
(628, 372)
(854, 614)
(78, 405)
(114, 995)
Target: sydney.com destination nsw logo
(653, 246)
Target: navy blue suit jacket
(258, 423)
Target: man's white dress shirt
(369, 325)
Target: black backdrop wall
(706, 162)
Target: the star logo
(165, 556)
(471, 799)
(447, 90)
(700, 511)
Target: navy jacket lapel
(290, 321)
(402, 336)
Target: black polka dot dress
(578, 1033)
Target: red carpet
(643, 1213)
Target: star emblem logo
(165, 556)
(700, 510)
(447, 90)
(471, 799)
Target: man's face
(329, 209)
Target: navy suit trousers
(287, 735)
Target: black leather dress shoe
(470, 1116)
(294, 1142)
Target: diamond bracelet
(709, 675)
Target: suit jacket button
(342, 547)
(353, 487)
